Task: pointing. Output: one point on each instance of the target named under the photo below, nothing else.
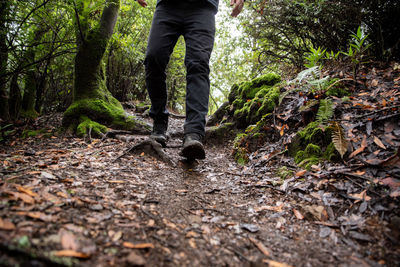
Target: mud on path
(61, 196)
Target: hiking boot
(193, 147)
(159, 132)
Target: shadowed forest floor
(64, 197)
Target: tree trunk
(93, 104)
(30, 85)
(15, 97)
(4, 10)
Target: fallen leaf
(260, 246)
(361, 148)
(361, 196)
(374, 82)
(181, 190)
(379, 143)
(26, 191)
(192, 243)
(117, 236)
(298, 214)
(301, 173)
(272, 263)
(270, 208)
(69, 241)
(24, 197)
(138, 246)
(71, 253)
(391, 182)
(6, 224)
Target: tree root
(151, 147)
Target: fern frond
(325, 111)
(338, 138)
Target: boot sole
(194, 151)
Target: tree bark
(4, 12)
(93, 104)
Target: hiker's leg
(165, 31)
(199, 32)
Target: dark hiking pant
(195, 21)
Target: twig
(376, 111)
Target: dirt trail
(141, 211)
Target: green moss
(240, 156)
(86, 125)
(248, 90)
(284, 173)
(308, 157)
(33, 133)
(312, 133)
(331, 153)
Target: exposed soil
(63, 196)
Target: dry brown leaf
(272, 263)
(181, 190)
(379, 143)
(71, 253)
(69, 241)
(24, 197)
(138, 246)
(192, 243)
(6, 224)
(192, 234)
(260, 246)
(301, 173)
(298, 214)
(270, 208)
(26, 191)
(364, 144)
(37, 215)
(361, 196)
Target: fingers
(143, 3)
(237, 7)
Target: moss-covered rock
(254, 99)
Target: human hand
(143, 3)
(237, 7)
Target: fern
(338, 138)
(325, 111)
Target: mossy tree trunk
(30, 86)
(31, 78)
(4, 10)
(93, 104)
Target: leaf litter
(75, 200)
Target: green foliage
(314, 57)
(325, 111)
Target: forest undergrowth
(312, 180)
